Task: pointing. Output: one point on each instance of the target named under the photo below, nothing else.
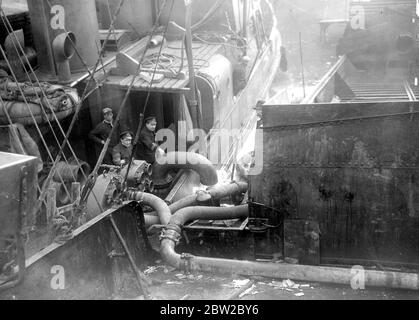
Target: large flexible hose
(171, 236)
(185, 160)
(153, 201)
(213, 193)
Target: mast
(244, 31)
(193, 101)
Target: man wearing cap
(101, 132)
(147, 146)
(121, 153)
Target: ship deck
(172, 56)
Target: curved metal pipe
(345, 276)
(63, 51)
(171, 236)
(216, 213)
(213, 193)
(186, 160)
(152, 218)
(171, 233)
(229, 189)
(153, 201)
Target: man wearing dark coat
(147, 145)
(101, 132)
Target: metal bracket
(141, 228)
(171, 234)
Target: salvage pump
(110, 190)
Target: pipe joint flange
(173, 227)
(203, 195)
(170, 234)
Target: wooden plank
(202, 54)
(180, 83)
(126, 81)
(140, 83)
(51, 196)
(197, 51)
(209, 55)
(165, 83)
(169, 84)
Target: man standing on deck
(101, 132)
(147, 146)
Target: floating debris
(153, 269)
(247, 291)
(237, 283)
(150, 270)
(240, 283)
(288, 283)
(190, 277)
(275, 284)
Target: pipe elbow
(63, 46)
(155, 202)
(192, 213)
(186, 160)
(215, 193)
(167, 252)
(221, 191)
(171, 233)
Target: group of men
(119, 152)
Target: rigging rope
(42, 191)
(88, 187)
(140, 124)
(85, 92)
(46, 183)
(31, 113)
(39, 85)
